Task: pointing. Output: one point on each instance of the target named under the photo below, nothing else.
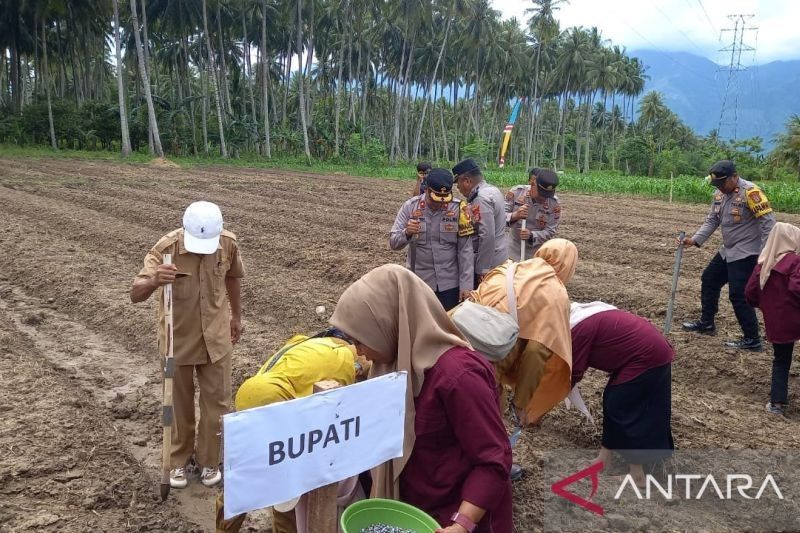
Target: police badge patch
(758, 203)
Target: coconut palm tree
(215, 85)
(123, 108)
(151, 112)
(787, 145)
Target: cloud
(692, 26)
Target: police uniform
(487, 211)
(444, 247)
(202, 341)
(544, 216)
(745, 218)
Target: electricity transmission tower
(729, 113)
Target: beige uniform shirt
(201, 314)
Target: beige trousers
(214, 380)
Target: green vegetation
(784, 195)
(342, 81)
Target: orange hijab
(562, 255)
(393, 311)
(543, 316)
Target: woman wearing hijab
(291, 373)
(637, 401)
(456, 454)
(774, 287)
(538, 367)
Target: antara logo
(592, 472)
(734, 484)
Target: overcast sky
(683, 25)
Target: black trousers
(448, 298)
(781, 363)
(735, 274)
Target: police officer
(422, 173)
(487, 211)
(439, 232)
(745, 216)
(536, 204)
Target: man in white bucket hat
(206, 270)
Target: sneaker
(177, 478)
(745, 343)
(776, 408)
(210, 476)
(698, 326)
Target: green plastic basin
(390, 512)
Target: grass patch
(784, 195)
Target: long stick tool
(675, 273)
(522, 244)
(169, 373)
(412, 253)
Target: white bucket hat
(202, 226)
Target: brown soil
(79, 378)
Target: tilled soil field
(79, 374)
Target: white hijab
(579, 312)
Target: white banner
(283, 450)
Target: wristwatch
(463, 521)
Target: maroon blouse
(461, 450)
(620, 343)
(779, 300)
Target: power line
(702, 52)
(729, 112)
(706, 14)
(672, 58)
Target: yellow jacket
(307, 361)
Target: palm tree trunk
(151, 112)
(338, 104)
(578, 140)
(407, 94)
(206, 105)
(365, 88)
(350, 104)
(62, 63)
(588, 132)
(398, 103)
(265, 79)
(246, 70)
(563, 125)
(613, 133)
(223, 68)
(433, 82)
(46, 81)
(147, 65)
(287, 78)
(444, 131)
(214, 84)
(123, 108)
(301, 90)
(309, 61)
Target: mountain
(693, 87)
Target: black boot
(698, 326)
(745, 343)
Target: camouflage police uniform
(544, 216)
(745, 218)
(444, 247)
